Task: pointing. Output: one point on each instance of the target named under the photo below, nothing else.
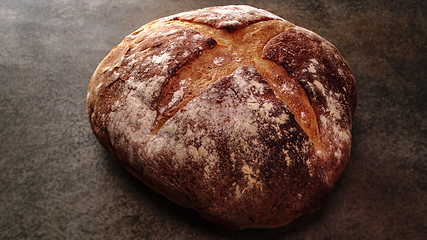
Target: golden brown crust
(231, 111)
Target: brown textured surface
(265, 140)
(57, 182)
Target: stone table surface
(57, 182)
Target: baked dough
(231, 111)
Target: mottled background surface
(57, 182)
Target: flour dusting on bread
(231, 110)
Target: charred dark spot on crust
(230, 26)
(210, 42)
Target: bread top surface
(232, 99)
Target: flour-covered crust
(231, 111)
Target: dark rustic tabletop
(57, 182)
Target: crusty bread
(231, 111)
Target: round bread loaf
(231, 111)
